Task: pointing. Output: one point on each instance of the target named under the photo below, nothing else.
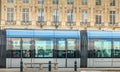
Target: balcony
(113, 24)
(56, 23)
(85, 24)
(41, 23)
(99, 24)
(26, 22)
(70, 23)
(10, 22)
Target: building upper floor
(61, 13)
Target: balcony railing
(10, 22)
(113, 24)
(41, 23)
(85, 24)
(70, 23)
(99, 24)
(26, 22)
(56, 23)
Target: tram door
(66, 52)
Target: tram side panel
(103, 49)
(2, 49)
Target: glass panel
(25, 15)
(102, 48)
(84, 16)
(55, 15)
(13, 47)
(10, 1)
(84, 2)
(70, 1)
(116, 46)
(44, 48)
(25, 1)
(40, 15)
(71, 44)
(70, 16)
(10, 14)
(112, 17)
(55, 1)
(61, 49)
(98, 2)
(112, 2)
(40, 1)
(26, 47)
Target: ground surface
(46, 70)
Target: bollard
(21, 66)
(49, 67)
(75, 66)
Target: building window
(10, 1)
(55, 1)
(70, 16)
(55, 15)
(98, 18)
(112, 2)
(84, 16)
(25, 1)
(98, 2)
(25, 15)
(112, 17)
(40, 15)
(84, 2)
(40, 1)
(70, 1)
(10, 14)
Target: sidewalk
(60, 70)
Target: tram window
(116, 49)
(61, 49)
(71, 45)
(13, 47)
(43, 48)
(100, 48)
(26, 43)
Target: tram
(90, 48)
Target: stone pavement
(59, 70)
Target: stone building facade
(60, 14)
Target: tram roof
(103, 34)
(43, 33)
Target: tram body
(103, 49)
(92, 48)
(43, 46)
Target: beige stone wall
(63, 7)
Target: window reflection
(13, 47)
(26, 43)
(61, 49)
(71, 48)
(100, 49)
(116, 49)
(43, 48)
